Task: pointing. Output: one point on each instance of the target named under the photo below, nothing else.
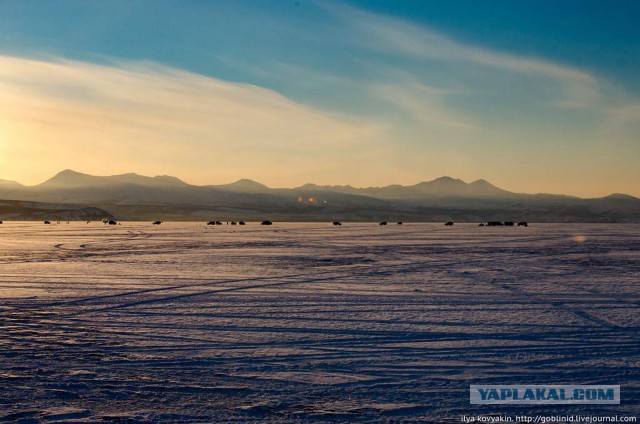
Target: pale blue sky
(531, 95)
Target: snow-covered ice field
(310, 322)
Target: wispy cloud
(396, 36)
(423, 103)
(145, 116)
(573, 87)
(627, 113)
(532, 79)
(402, 37)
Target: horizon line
(320, 186)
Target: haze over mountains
(137, 197)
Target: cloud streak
(131, 113)
(573, 87)
(417, 48)
(392, 35)
(422, 103)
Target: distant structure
(481, 224)
(509, 223)
(88, 222)
(241, 223)
(266, 223)
(0, 222)
(112, 222)
(448, 224)
(233, 223)
(157, 222)
(520, 224)
(105, 221)
(495, 224)
(383, 223)
(334, 223)
(399, 222)
(211, 223)
(218, 223)
(47, 222)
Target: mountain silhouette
(133, 196)
(7, 184)
(71, 179)
(440, 187)
(243, 186)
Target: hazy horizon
(531, 97)
(319, 184)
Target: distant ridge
(244, 185)
(9, 184)
(444, 186)
(32, 211)
(69, 178)
(440, 187)
(136, 196)
(620, 196)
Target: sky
(533, 96)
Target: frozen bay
(310, 322)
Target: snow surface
(310, 322)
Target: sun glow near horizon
(142, 117)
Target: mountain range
(136, 197)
